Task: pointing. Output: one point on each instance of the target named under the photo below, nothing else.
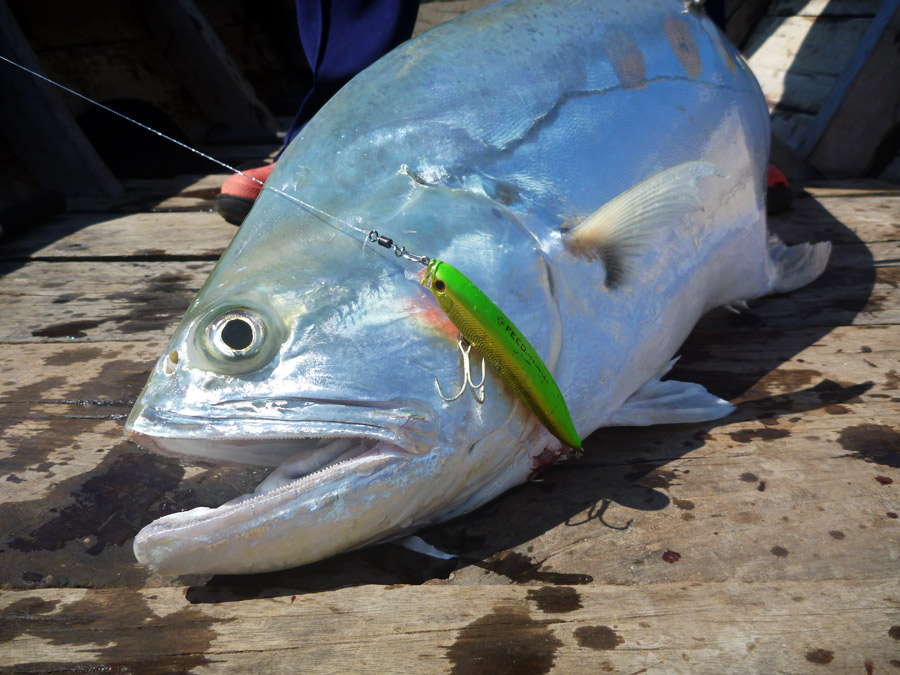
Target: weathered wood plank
(669, 627)
(826, 8)
(841, 215)
(141, 300)
(755, 367)
(182, 224)
(805, 446)
(139, 235)
(132, 301)
(182, 193)
(798, 59)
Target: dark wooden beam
(864, 103)
(36, 122)
(203, 64)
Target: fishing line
(319, 213)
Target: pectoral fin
(797, 266)
(620, 230)
(419, 545)
(669, 402)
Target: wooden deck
(768, 542)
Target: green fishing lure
(503, 346)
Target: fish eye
(236, 334)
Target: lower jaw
(306, 519)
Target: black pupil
(237, 334)
(440, 285)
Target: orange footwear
(239, 192)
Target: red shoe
(239, 193)
(778, 195)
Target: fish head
(316, 352)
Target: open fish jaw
(308, 483)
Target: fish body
(596, 169)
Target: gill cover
(503, 346)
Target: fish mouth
(319, 448)
(270, 432)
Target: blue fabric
(342, 37)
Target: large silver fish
(597, 169)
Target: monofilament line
(319, 213)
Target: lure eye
(439, 286)
(236, 334)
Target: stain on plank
(874, 443)
(119, 628)
(505, 640)
(555, 599)
(108, 507)
(820, 656)
(598, 637)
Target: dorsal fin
(620, 230)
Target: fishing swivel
(399, 251)
(465, 348)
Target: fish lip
(223, 426)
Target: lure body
(503, 346)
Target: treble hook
(465, 348)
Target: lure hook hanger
(465, 348)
